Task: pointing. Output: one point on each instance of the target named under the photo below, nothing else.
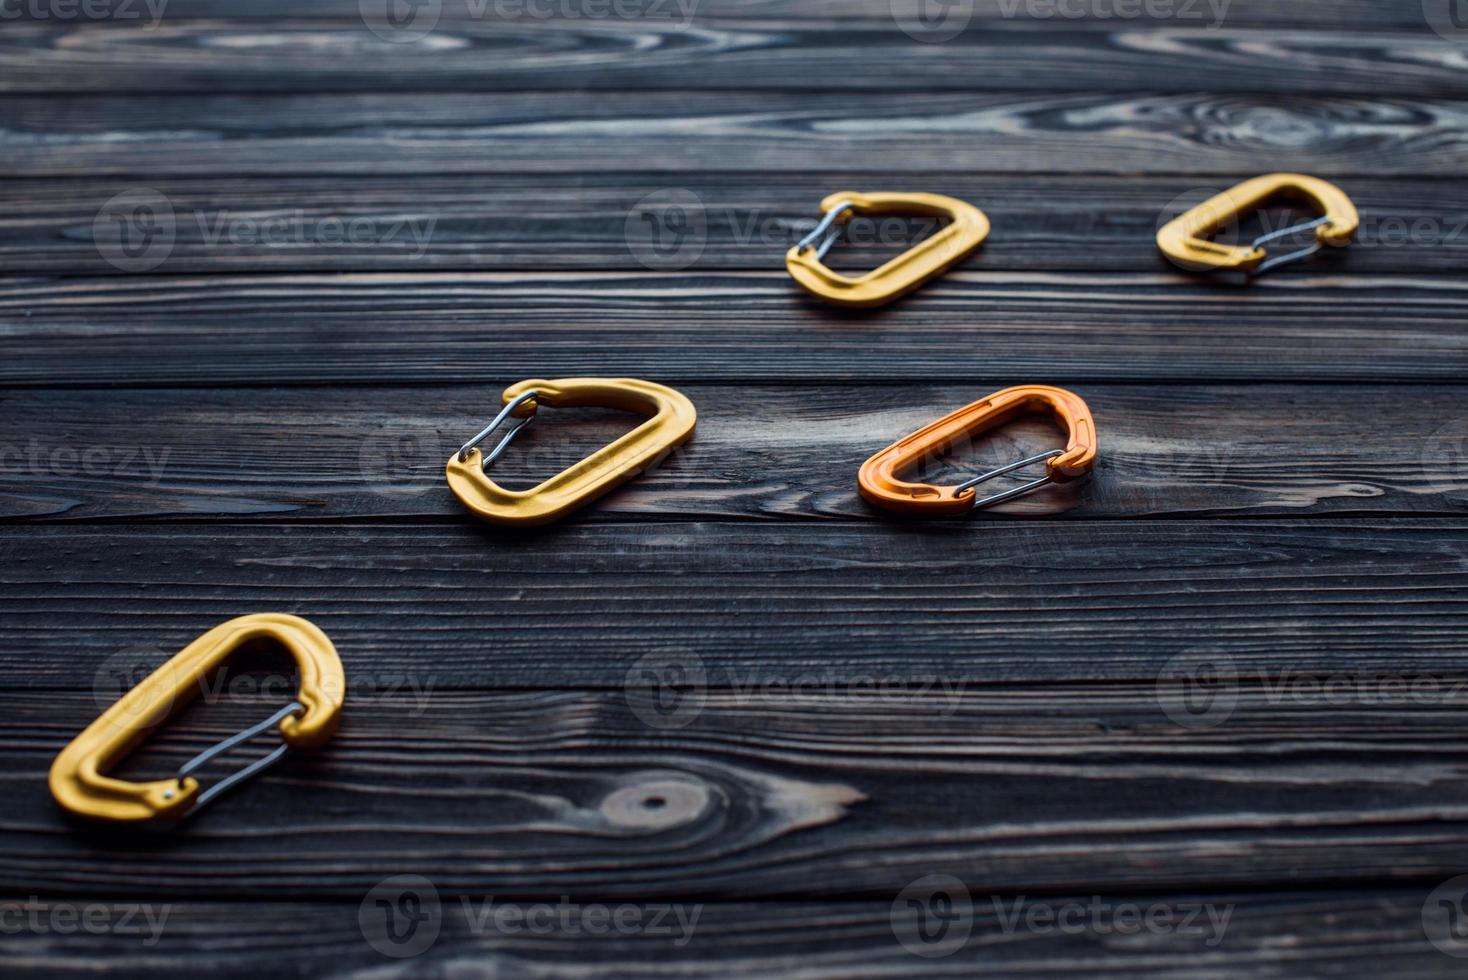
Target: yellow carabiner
(78, 776)
(928, 258)
(1185, 243)
(671, 423)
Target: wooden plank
(984, 600)
(761, 791)
(337, 453)
(606, 222)
(152, 137)
(663, 53)
(1323, 15)
(1265, 937)
(1315, 325)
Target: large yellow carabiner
(79, 779)
(1184, 239)
(928, 258)
(881, 483)
(671, 423)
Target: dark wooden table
(265, 267)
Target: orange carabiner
(880, 484)
(967, 229)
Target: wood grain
(1324, 15)
(594, 222)
(761, 790)
(761, 452)
(1272, 937)
(987, 600)
(666, 53)
(727, 327)
(1035, 133)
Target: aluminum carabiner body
(879, 478)
(671, 421)
(79, 779)
(967, 229)
(1184, 239)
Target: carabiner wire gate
(1018, 491)
(254, 768)
(824, 226)
(509, 436)
(1294, 256)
